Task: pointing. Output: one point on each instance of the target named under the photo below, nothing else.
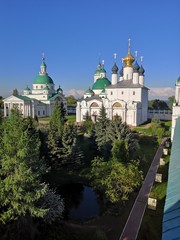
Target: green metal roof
(103, 91)
(89, 91)
(43, 79)
(178, 80)
(46, 88)
(101, 83)
(54, 96)
(171, 218)
(24, 98)
(43, 64)
(27, 88)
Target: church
(125, 95)
(38, 101)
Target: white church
(125, 95)
(38, 101)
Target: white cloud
(77, 93)
(161, 93)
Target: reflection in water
(81, 201)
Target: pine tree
(120, 151)
(101, 131)
(56, 126)
(121, 131)
(71, 153)
(21, 170)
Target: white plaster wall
(135, 78)
(127, 73)
(141, 80)
(114, 79)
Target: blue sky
(73, 34)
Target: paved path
(133, 223)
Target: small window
(111, 93)
(43, 112)
(41, 87)
(122, 92)
(38, 113)
(133, 92)
(36, 87)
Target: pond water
(81, 202)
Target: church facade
(125, 95)
(38, 101)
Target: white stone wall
(114, 78)
(127, 73)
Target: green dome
(101, 83)
(89, 91)
(43, 79)
(27, 88)
(178, 80)
(98, 71)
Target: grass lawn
(71, 118)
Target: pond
(81, 202)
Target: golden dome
(129, 59)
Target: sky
(73, 35)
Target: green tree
(155, 124)
(88, 125)
(158, 104)
(58, 119)
(1, 102)
(71, 152)
(101, 131)
(171, 101)
(56, 126)
(120, 151)
(121, 131)
(15, 92)
(71, 101)
(115, 179)
(21, 171)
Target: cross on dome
(136, 54)
(43, 57)
(129, 45)
(115, 56)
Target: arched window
(94, 104)
(117, 105)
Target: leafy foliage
(71, 101)
(1, 102)
(171, 101)
(115, 179)
(158, 104)
(120, 151)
